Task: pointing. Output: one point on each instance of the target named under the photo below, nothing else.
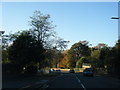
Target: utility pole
(118, 25)
(118, 18)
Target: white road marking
(78, 79)
(80, 82)
(83, 86)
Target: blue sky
(75, 21)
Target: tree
(79, 64)
(42, 28)
(49, 54)
(80, 49)
(60, 44)
(71, 64)
(81, 61)
(64, 61)
(43, 36)
(52, 57)
(84, 60)
(25, 49)
(5, 45)
(95, 58)
(5, 42)
(118, 44)
(102, 56)
(112, 59)
(5, 56)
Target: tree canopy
(39, 45)
(25, 49)
(42, 28)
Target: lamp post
(115, 18)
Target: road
(64, 80)
(77, 80)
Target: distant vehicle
(71, 71)
(58, 71)
(88, 72)
(62, 67)
(51, 71)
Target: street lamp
(115, 18)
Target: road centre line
(80, 82)
(78, 79)
(83, 86)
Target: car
(71, 71)
(62, 67)
(51, 71)
(88, 72)
(58, 71)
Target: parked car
(58, 71)
(51, 71)
(88, 72)
(62, 67)
(71, 71)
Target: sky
(75, 21)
